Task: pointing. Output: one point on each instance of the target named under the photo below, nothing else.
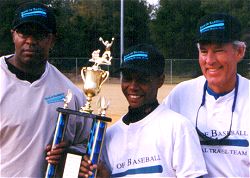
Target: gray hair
(239, 44)
(235, 44)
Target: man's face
(218, 63)
(139, 88)
(32, 44)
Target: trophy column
(62, 121)
(97, 134)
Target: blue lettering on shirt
(55, 98)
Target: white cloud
(153, 2)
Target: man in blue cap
(217, 102)
(31, 89)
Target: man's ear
(161, 80)
(53, 40)
(240, 52)
(12, 35)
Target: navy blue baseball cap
(143, 58)
(36, 13)
(219, 27)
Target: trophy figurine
(93, 77)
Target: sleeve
(188, 159)
(166, 101)
(171, 101)
(175, 98)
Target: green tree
(6, 13)
(173, 29)
(136, 22)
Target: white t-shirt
(28, 118)
(231, 159)
(163, 144)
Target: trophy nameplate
(72, 165)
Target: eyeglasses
(36, 33)
(215, 141)
(204, 136)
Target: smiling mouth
(213, 69)
(134, 96)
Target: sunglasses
(216, 141)
(32, 31)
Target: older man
(217, 102)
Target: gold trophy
(93, 77)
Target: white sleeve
(188, 160)
(172, 101)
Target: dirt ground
(118, 103)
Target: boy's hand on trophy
(87, 167)
(55, 154)
(102, 171)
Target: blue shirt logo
(55, 98)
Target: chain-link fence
(176, 70)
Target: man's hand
(55, 154)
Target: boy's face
(140, 88)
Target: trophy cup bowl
(93, 79)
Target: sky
(152, 2)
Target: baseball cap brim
(138, 67)
(218, 38)
(29, 21)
